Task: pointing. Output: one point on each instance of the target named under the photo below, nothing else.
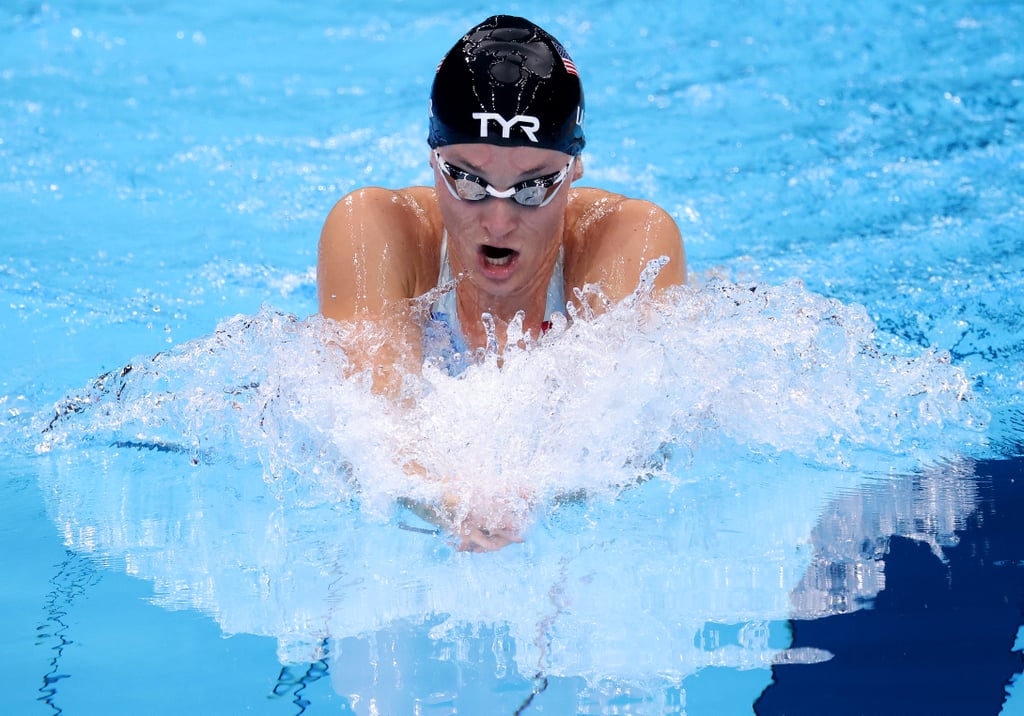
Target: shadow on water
(939, 638)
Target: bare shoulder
(403, 214)
(596, 215)
(387, 237)
(610, 238)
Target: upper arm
(373, 256)
(623, 239)
(366, 258)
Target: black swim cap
(507, 82)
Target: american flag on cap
(570, 66)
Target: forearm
(387, 349)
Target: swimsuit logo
(528, 124)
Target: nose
(498, 217)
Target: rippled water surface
(785, 489)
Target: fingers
(482, 539)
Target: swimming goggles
(532, 192)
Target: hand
(473, 536)
(475, 533)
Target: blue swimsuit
(444, 338)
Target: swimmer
(505, 142)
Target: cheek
(544, 222)
(454, 213)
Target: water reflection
(607, 599)
(939, 638)
(851, 540)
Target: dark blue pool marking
(76, 575)
(294, 681)
(938, 639)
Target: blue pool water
(795, 489)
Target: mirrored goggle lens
(526, 196)
(535, 195)
(469, 190)
(534, 192)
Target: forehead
(489, 158)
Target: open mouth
(497, 256)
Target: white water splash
(733, 413)
(591, 407)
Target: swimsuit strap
(445, 308)
(556, 287)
